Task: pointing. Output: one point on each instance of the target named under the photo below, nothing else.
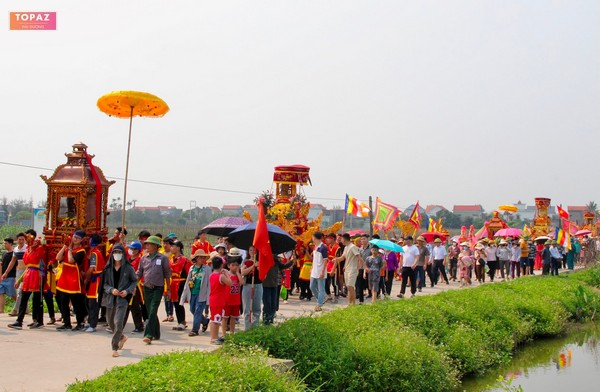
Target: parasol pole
(127, 170)
(252, 291)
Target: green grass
(423, 344)
(195, 371)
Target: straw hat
(503, 242)
(437, 241)
(234, 252)
(465, 244)
(421, 238)
(199, 253)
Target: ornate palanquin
(72, 198)
(542, 223)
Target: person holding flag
(268, 266)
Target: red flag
(98, 188)
(562, 213)
(262, 244)
(415, 217)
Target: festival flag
(385, 214)
(98, 186)
(481, 233)
(262, 243)
(562, 213)
(431, 225)
(415, 217)
(356, 208)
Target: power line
(164, 183)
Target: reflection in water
(570, 362)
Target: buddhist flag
(385, 214)
(262, 244)
(562, 213)
(431, 226)
(415, 217)
(356, 208)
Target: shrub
(455, 333)
(194, 371)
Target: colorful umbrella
(223, 226)
(356, 233)
(581, 233)
(281, 241)
(432, 235)
(126, 104)
(508, 232)
(386, 244)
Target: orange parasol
(126, 104)
(508, 208)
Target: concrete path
(49, 360)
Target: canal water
(569, 363)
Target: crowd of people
(105, 282)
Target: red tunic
(206, 246)
(218, 291)
(180, 267)
(135, 263)
(70, 278)
(32, 277)
(96, 257)
(235, 292)
(331, 252)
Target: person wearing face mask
(119, 283)
(137, 307)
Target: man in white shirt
(317, 273)
(354, 262)
(409, 258)
(438, 256)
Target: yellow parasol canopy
(125, 104)
(508, 208)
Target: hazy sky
(446, 102)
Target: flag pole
(370, 216)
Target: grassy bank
(195, 371)
(428, 342)
(425, 344)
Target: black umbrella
(281, 241)
(223, 226)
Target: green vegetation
(426, 344)
(195, 371)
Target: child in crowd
(234, 299)
(465, 261)
(374, 264)
(219, 293)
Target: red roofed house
(465, 211)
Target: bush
(427, 342)
(194, 371)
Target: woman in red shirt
(180, 267)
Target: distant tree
(23, 215)
(591, 207)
